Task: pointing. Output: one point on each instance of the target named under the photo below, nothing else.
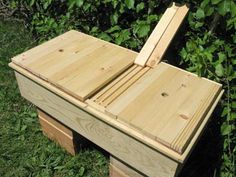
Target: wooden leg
(120, 169)
(58, 132)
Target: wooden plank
(57, 132)
(167, 37)
(55, 123)
(68, 65)
(39, 51)
(135, 153)
(124, 87)
(116, 86)
(99, 96)
(164, 103)
(155, 36)
(119, 169)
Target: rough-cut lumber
(57, 132)
(155, 36)
(69, 63)
(119, 169)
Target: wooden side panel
(133, 152)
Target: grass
(24, 151)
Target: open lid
(77, 63)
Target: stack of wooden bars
(147, 114)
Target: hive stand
(147, 114)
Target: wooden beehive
(162, 106)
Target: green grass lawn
(24, 151)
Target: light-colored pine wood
(119, 84)
(57, 132)
(101, 116)
(124, 87)
(162, 105)
(119, 169)
(77, 63)
(119, 144)
(119, 125)
(99, 96)
(156, 35)
(167, 37)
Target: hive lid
(166, 103)
(77, 63)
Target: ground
(24, 151)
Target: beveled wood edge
(181, 158)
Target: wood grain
(77, 63)
(167, 105)
(167, 37)
(135, 153)
(155, 36)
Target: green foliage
(207, 46)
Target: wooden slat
(124, 87)
(118, 84)
(167, 37)
(156, 35)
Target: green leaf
(225, 129)
(123, 36)
(209, 11)
(81, 171)
(79, 3)
(224, 7)
(129, 4)
(143, 30)
(105, 36)
(219, 70)
(234, 105)
(113, 29)
(140, 7)
(204, 3)
(114, 18)
(200, 14)
(32, 2)
(215, 1)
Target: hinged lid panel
(77, 63)
(167, 104)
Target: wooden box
(150, 117)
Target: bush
(208, 46)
